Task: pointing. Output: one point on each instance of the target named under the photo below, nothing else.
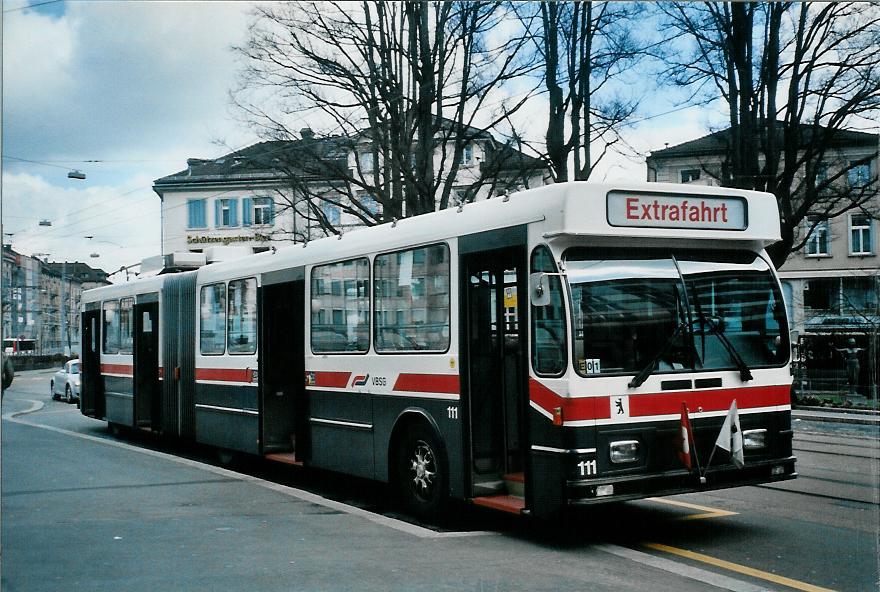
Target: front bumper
(583, 491)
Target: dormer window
(689, 175)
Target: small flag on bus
(685, 437)
(730, 438)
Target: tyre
(116, 430)
(68, 396)
(226, 457)
(420, 472)
(52, 390)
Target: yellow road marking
(707, 511)
(749, 571)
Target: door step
(288, 458)
(515, 483)
(506, 503)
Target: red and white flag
(730, 438)
(685, 437)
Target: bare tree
(401, 91)
(797, 79)
(584, 49)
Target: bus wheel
(115, 429)
(421, 478)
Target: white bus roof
(730, 217)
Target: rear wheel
(420, 472)
(68, 396)
(52, 390)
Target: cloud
(117, 80)
(125, 227)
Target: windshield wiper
(645, 372)
(744, 372)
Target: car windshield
(634, 315)
(74, 368)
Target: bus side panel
(341, 432)
(226, 416)
(119, 392)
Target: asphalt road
(82, 510)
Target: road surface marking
(301, 494)
(681, 569)
(743, 569)
(707, 511)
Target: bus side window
(549, 349)
(111, 327)
(212, 319)
(126, 325)
(340, 310)
(241, 322)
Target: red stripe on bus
(332, 379)
(224, 374)
(709, 400)
(428, 383)
(649, 404)
(126, 369)
(573, 409)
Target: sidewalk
(865, 417)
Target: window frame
(129, 301)
(104, 308)
(813, 238)
(864, 229)
(565, 309)
(328, 284)
(854, 177)
(202, 288)
(266, 205)
(375, 332)
(690, 171)
(228, 350)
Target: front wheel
(68, 396)
(421, 474)
(52, 390)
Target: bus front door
(91, 383)
(495, 380)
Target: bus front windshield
(674, 312)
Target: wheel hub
(422, 466)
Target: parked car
(65, 383)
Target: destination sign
(673, 211)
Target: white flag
(730, 438)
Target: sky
(126, 92)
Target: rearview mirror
(539, 291)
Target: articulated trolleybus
(563, 346)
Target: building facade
(41, 302)
(832, 283)
(264, 194)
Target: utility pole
(65, 346)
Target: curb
(837, 418)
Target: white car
(65, 383)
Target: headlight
(624, 451)
(754, 439)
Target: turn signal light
(557, 416)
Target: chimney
(306, 133)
